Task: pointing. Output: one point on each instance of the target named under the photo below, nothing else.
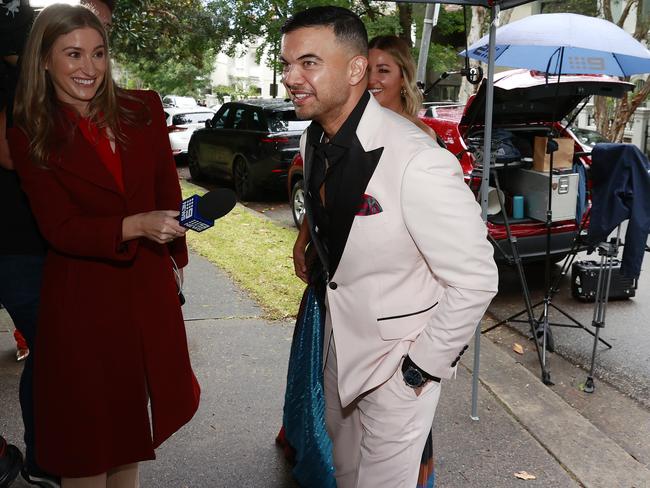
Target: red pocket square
(369, 206)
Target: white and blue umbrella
(565, 44)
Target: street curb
(589, 455)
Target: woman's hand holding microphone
(160, 226)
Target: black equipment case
(584, 280)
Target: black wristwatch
(414, 376)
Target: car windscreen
(285, 120)
(589, 137)
(191, 118)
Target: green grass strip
(256, 254)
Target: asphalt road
(627, 328)
(627, 323)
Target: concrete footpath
(561, 436)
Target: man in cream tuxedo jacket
(409, 271)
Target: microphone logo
(190, 216)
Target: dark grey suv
(250, 142)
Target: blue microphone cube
(190, 216)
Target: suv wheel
(242, 178)
(193, 163)
(298, 202)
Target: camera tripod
(515, 258)
(577, 245)
(607, 252)
(541, 326)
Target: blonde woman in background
(391, 72)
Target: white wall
(242, 67)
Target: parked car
(250, 142)
(181, 124)
(429, 108)
(526, 105)
(588, 137)
(176, 101)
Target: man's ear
(358, 67)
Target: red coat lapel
(77, 156)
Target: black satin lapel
(314, 134)
(370, 160)
(309, 212)
(306, 164)
(361, 167)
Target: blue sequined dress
(304, 401)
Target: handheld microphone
(199, 213)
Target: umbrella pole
(551, 147)
(485, 184)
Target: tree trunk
(624, 110)
(642, 30)
(505, 16)
(626, 11)
(405, 11)
(612, 118)
(601, 115)
(607, 10)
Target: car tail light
(270, 139)
(175, 128)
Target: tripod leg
(545, 326)
(577, 325)
(553, 290)
(513, 318)
(543, 320)
(534, 325)
(600, 307)
(589, 384)
(598, 324)
(522, 278)
(570, 258)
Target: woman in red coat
(97, 167)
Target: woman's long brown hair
(35, 106)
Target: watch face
(413, 377)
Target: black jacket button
(465, 347)
(333, 285)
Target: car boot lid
(530, 97)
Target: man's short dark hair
(347, 26)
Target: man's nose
(291, 76)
